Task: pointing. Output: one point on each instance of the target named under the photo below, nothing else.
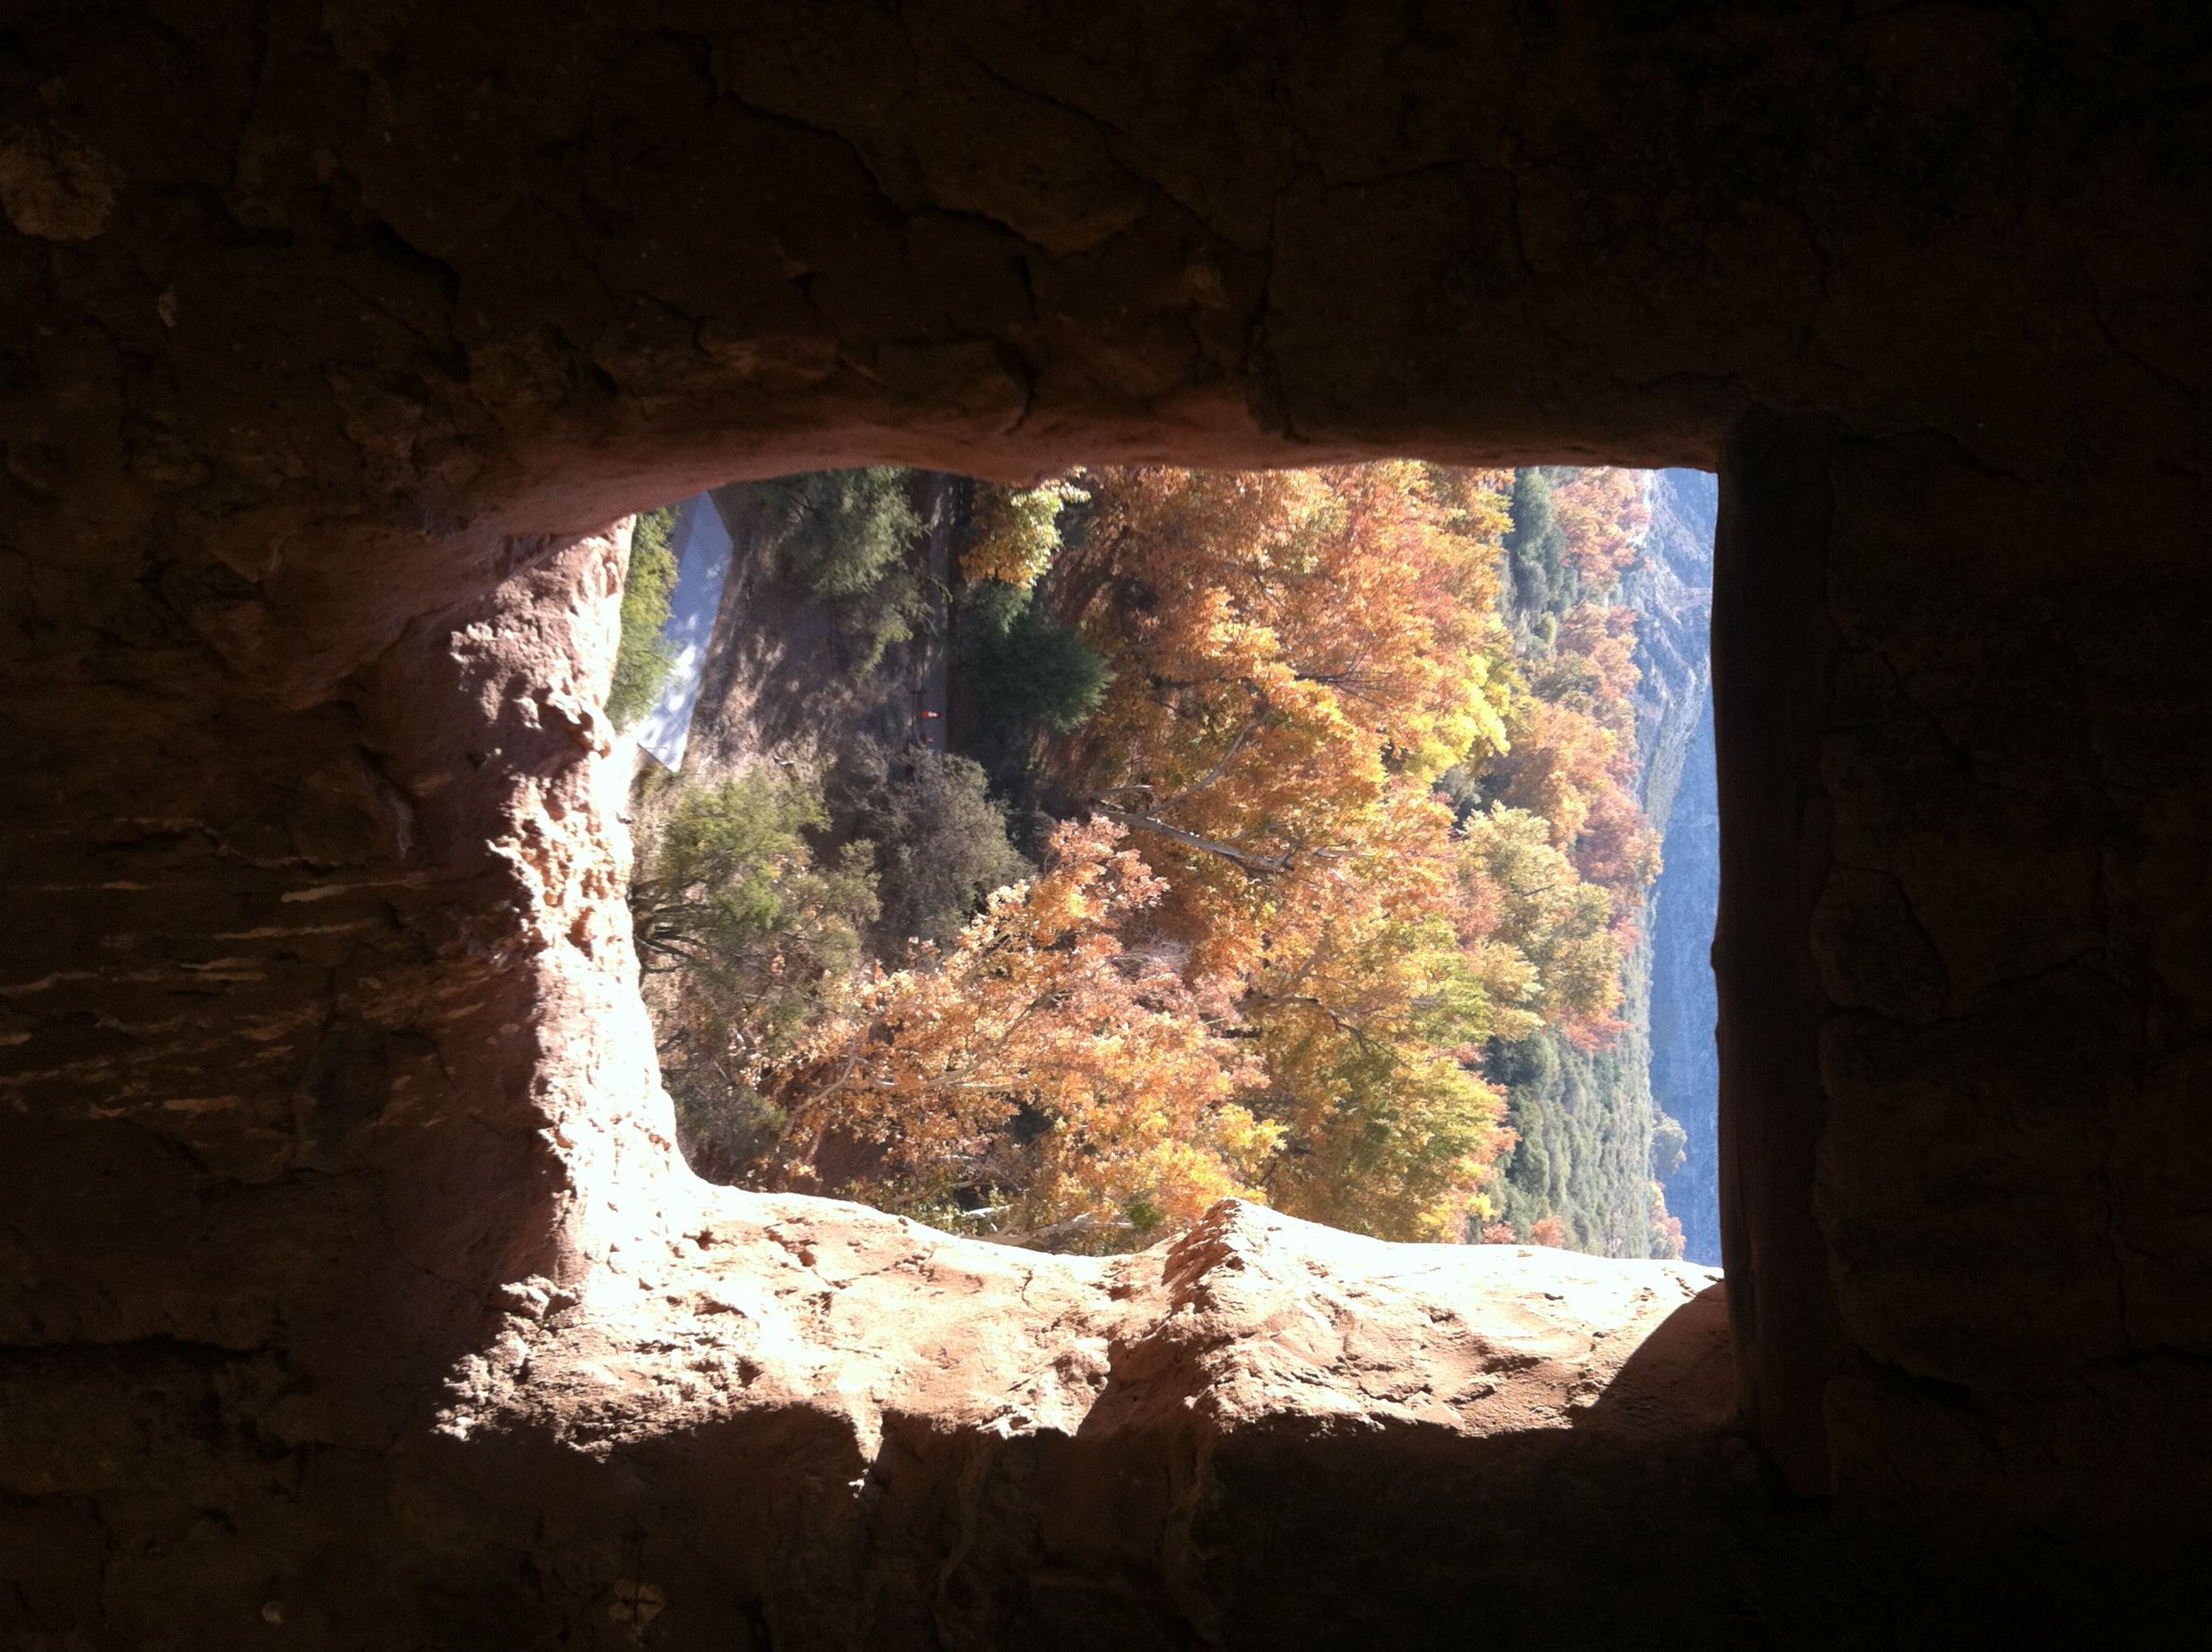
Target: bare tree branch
(1268, 865)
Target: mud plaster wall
(335, 334)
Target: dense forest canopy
(1294, 853)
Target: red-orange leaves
(1041, 1067)
(1604, 515)
(1297, 655)
(1288, 647)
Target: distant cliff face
(1671, 589)
(1685, 1065)
(1672, 594)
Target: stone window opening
(672, 1322)
(793, 726)
(617, 1344)
(350, 1291)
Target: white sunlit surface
(701, 541)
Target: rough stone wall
(335, 334)
(2016, 1174)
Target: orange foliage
(1291, 995)
(1040, 1008)
(1571, 756)
(1296, 656)
(1604, 516)
(1594, 664)
(1291, 649)
(1617, 848)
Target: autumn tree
(1557, 818)
(1573, 533)
(1602, 515)
(1301, 659)
(1297, 655)
(1520, 894)
(1291, 649)
(1043, 1069)
(1015, 531)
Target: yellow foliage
(1288, 645)
(1016, 531)
(1515, 889)
(1296, 656)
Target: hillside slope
(1672, 594)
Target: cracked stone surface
(339, 1216)
(776, 1302)
(1001, 1442)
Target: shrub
(940, 839)
(731, 904)
(1027, 666)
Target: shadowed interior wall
(337, 333)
